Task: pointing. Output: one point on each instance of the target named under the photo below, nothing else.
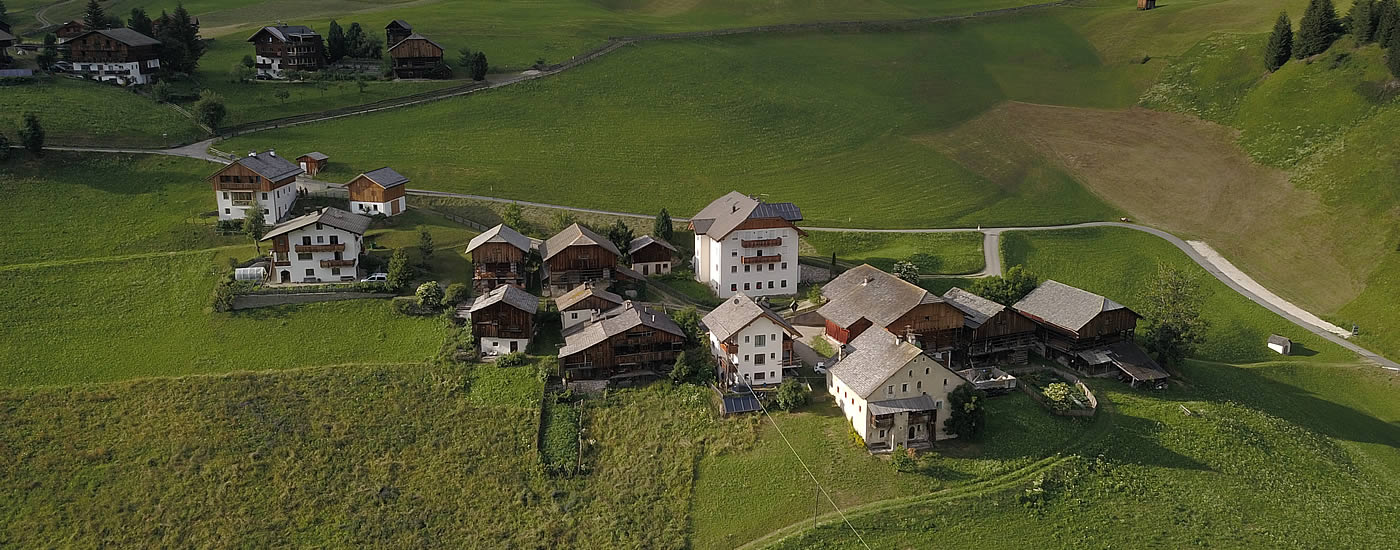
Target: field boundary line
(105, 259)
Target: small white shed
(1280, 345)
(256, 274)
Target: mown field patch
(933, 253)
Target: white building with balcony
(746, 245)
(751, 343)
(320, 247)
(262, 181)
(892, 392)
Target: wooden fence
(1070, 377)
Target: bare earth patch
(1179, 173)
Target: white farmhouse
(892, 393)
(320, 247)
(751, 343)
(745, 245)
(262, 181)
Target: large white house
(746, 245)
(120, 56)
(320, 247)
(891, 391)
(751, 343)
(262, 181)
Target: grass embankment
(81, 112)
(792, 138)
(933, 253)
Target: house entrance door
(514, 346)
(286, 276)
(911, 433)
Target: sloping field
(80, 112)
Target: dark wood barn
(313, 163)
(1070, 320)
(415, 57)
(396, 31)
(629, 339)
(866, 297)
(498, 258)
(992, 332)
(576, 256)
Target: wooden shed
(313, 163)
(415, 57)
(1147, 4)
(396, 31)
(1280, 345)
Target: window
(226, 211)
(746, 358)
(919, 385)
(733, 269)
(733, 288)
(760, 252)
(734, 253)
(926, 371)
(758, 376)
(264, 196)
(758, 360)
(335, 239)
(889, 390)
(903, 388)
(266, 212)
(225, 192)
(747, 268)
(784, 265)
(318, 226)
(573, 315)
(945, 383)
(303, 255)
(770, 267)
(310, 272)
(320, 239)
(746, 339)
(784, 281)
(335, 271)
(772, 374)
(306, 239)
(882, 434)
(770, 284)
(758, 340)
(772, 356)
(760, 267)
(746, 286)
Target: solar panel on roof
(785, 210)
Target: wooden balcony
(237, 186)
(762, 259)
(761, 243)
(337, 263)
(244, 203)
(338, 247)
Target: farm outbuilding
(313, 163)
(257, 274)
(1147, 4)
(1280, 345)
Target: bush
(457, 293)
(967, 413)
(400, 273)
(790, 395)
(513, 359)
(693, 367)
(430, 295)
(1059, 395)
(408, 305)
(903, 459)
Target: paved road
(198, 150)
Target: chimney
(736, 298)
(252, 153)
(271, 152)
(909, 333)
(866, 281)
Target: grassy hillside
(933, 253)
(79, 112)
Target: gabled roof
(644, 240)
(266, 164)
(386, 177)
(511, 295)
(738, 312)
(872, 358)
(331, 216)
(315, 155)
(400, 23)
(281, 32)
(867, 292)
(583, 292)
(575, 235)
(720, 217)
(1133, 361)
(500, 234)
(1279, 340)
(5, 36)
(614, 322)
(123, 35)
(416, 36)
(1065, 306)
(976, 309)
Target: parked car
(820, 368)
(376, 278)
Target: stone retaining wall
(251, 301)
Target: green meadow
(83, 112)
(933, 253)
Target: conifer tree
(1392, 58)
(140, 22)
(93, 16)
(335, 42)
(4, 17)
(663, 227)
(1280, 46)
(1387, 22)
(1363, 20)
(1317, 30)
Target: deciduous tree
(1172, 311)
(561, 221)
(907, 271)
(688, 319)
(663, 227)
(1318, 29)
(210, 109)
(514, 217)
(255, 226)
(429, 295)
(282, 94)
(1007, 288)
(1280, 46)
(456, 293)
(967, 415)
(790, 395)
(31, 134)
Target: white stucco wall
(725, 271)
(371, 208)
(501, 346)
(276, 204)
(275, 71)
(577, 316)
(748, 350)
(94, 70)
(298, 269)
(922, 375)
(652, 268)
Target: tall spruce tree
(355, 40)
(93, 16)
(479, 67)
(663, 227)
(1392, 58)
(31, 134)
(4, 14)
(140, 22)
(335, 42)
(1363, 20)
(1387, 22)
(1280, 46)
(1318, 29)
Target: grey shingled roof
(720, 217)
(283, 31)
(416, 36)
(331, 216)
(1065, 306)
(575, 235)
(867, 292)
(1135, 362)
(268, 165)
(316, 155)
(644, 240)
(582, 292)
(976, 309)
(617, 321)
(908, 404)
(875, 356)
(511, 295)
(123, 35)
(1280, 340)
(500, 234)
(738, 312)
(386, 177)
(4, 36)
(400, 23)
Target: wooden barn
(259, 181)
(651, 256)
(69, 30)
(1071, 320)
(502, 320)
(584, 303)
(630, 339)
(992, 332)
(1146, 4)
(866, 297)
(396, 31)
(576, 256)
(415, 57)
(287, 48)
(378, 192)
(313, 163)
(498, 258)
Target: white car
(376, 278)
(820, 368)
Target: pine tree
(31, 135)
(93, 16)
(4, 16)
(1387, 22)
(663, 227)
(479, 67)
(187, 31)
(335, 42)
(1280, 46)
(1363, 20)
(1317, 30)
(140, 22)
(355, 41)
(1392, 58)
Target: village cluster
(899, 349)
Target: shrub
(513, 359)
(429, 295)
(790, 395)
(903, 459)
(967, 415)
(223, 293)
(1058, 394)
(456, 293)
(459, 346)
(400, 273)
(408, 305)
